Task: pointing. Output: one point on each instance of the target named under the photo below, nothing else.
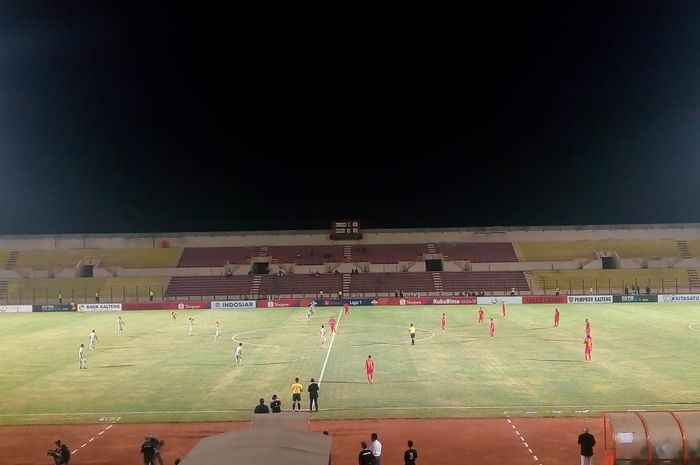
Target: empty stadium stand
(81, 290)
(127, 258)
(389, 253)
(483, 252)
(301, 284)
(197, 286)
(611, 281)
(571, 250)
(306, 255)
(498, 282)
(389, 283)
(215, 256)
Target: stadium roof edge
(483, 229)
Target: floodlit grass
(644, 356)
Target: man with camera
(61, 454)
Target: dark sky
(131, 118)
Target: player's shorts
(296, 397)
(413, 335)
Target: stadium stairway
(694, 279)
(347, 253)
(255, 285)
(11, 260)
(684, 250)
(3, 290)
(346, 283)
(437, 279)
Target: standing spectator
(556, 291)
(276, 404)
(376, 450)
(648, 289)
(296, 394)
(410, 456)
(148, 450)
(261, 407)
(150, 295)
(365, 457)
(587, 441)
(313, 395)
(97, 297)
(61, 454)
(60, 297)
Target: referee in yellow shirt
(412, 332)
(296, 394)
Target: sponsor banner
(589, 299)
(106, 307)
(283, 303)
(544, 299)
(169, 305)
(688, 298)
(15, 308)
(454, 300)
(499, 299)
(635, 298)
(229, 304)
(53, 308)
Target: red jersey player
(588, 328)
(346, 310)
(369, 369)
(443, 323)
(492, 329)
(556, 317)
(481, 316)
(503, 309)
(587, 349)
(331, 324)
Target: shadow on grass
(119, 366)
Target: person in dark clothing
(61, 454)
(261, 407)
(365, 457)
(148, 450)
(587, 441)
(276, 404)
(410, 456)
(313, 395)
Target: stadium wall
(406, 236)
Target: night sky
(125, 118)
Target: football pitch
(644, 357)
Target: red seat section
(215, 256)
(306, 254)
(389, 253)
(301, 284)
(371, 283)
(476, 281)
(184, 286)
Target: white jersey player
(92, 340)
(191, 323)
(82, 362)
(120, 326)
(217, 336)
(239, 354)
(322, 334)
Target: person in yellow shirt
(296, 394)
(412, 332)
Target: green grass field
(644, 356)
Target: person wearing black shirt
(148, 450)
(61, 454)
(276, 404)
(410, 456)
(365, 457)
(587, 441)
(261, 407)
(313, 395)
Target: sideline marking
(330, 346)
(91, 439)
(525, 444)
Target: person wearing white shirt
(376, 450)
(82, 363)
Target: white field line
(515, 430)
(330, 346)
(92, 439)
